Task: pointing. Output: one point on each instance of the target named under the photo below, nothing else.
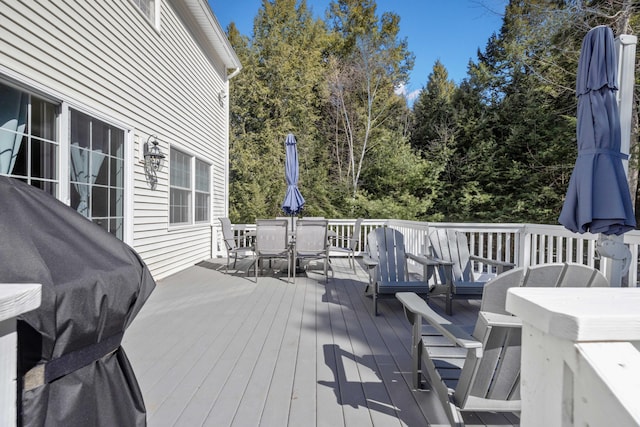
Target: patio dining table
(332, 235)
(251, 234)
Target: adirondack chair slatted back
(387, 264)
(564, 275)
(386, 246)
(497, 375)
(494, 295)
(543, 275)
(451, 245)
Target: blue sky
(448, 30)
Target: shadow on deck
(218, 349)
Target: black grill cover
(72, 370)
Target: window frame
(193, 189)
(32, 139)
(153, 17)
(201, 192)
(107, 141)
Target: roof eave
(215, 36)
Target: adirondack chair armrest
(424, 260)
(437, 261)
(497, 319)
(369, 262)
(419, 307)
(502, 265)
(428, 264)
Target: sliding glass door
(96, 171)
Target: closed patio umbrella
(598, 199)
(293, 200)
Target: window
(29, 139)
(180, 197)
(190, 190)
(96, 171)
(202, 191)
(147, 7)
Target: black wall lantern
(153, 160)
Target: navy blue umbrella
(293, 200)
(598, 199)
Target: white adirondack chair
(478, 372)
(386, 261)
(457, 281)
(481, 372)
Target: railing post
(565, 336)
(524, 254)
(15, 299)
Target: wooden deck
(216, 349)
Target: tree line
(498, 147)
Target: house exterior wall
(151, 78)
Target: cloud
(409, 96)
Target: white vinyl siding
(104, 57)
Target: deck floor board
(216, 349)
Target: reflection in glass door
(96, 171)
(29, 138)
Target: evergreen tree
(280, 90)
(433, 111)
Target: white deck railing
(521, 244)
(580, 358)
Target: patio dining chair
(352, 244)
(311, 242)
(291, 221)
(234, 249)
(272, 242)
